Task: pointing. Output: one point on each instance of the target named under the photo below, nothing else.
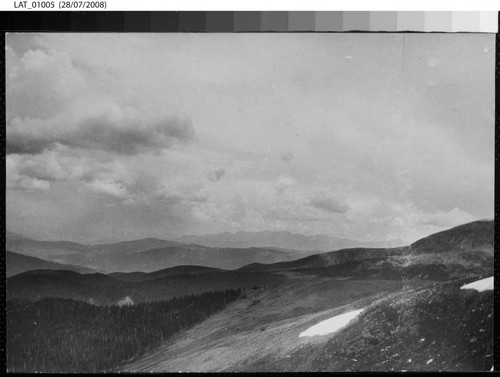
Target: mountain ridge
(16, 263)
(144, 255)
(478, 235)
(281, 239)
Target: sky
(365, 136)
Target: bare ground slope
(419, 326)
(264, 322)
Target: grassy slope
(265, 322)
(257, 334)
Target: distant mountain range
(54, 249)
(282, 240)
(461, 251)
(145, 255)
(148, 255)
(223, 250)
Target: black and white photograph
(249, 202)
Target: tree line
(65, 335)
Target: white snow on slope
(480, 285)
(331, 325)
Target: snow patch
(125, 301)
(331, 325)
(480, 285)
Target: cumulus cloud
(28, 184)
(130, 134)
(53, 100)
(108, 177)
(182, 194)
(326, 200)
(45, 167)
(65, 124)
(19, 181)
(112, 129)
(40, 83)
(109, 187)
(216, 175)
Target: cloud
(297, 201)
(113, 123)
(216, 175)
(125, 131)
(54, 100)
(28, 184)
(45, 167)
(40, 83)
(19, 181)
(108, 187)
(325, 199)
(329, 205)
(131, 135)
(406, 221)
(113, 178)
(447, 219)
(182, 194)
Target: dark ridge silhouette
(173, 271)
(477, 235)
(16, 263)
